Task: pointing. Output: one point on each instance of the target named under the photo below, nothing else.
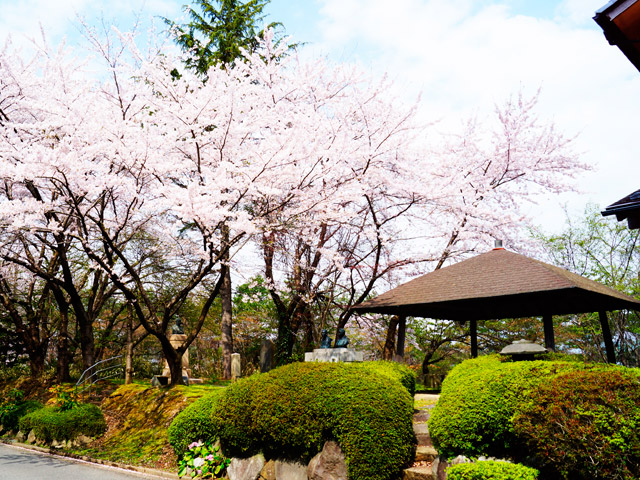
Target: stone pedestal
(236, 367)
(177, 339)
(334, 355)
(266, 356)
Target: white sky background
(462, 55)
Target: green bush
(51, 423)
(193, 424)
(490, 470)
(15, 407)
(478, 400)
(395, 371)
(585, 424)
(291, 411)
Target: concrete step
(426, 453)
(418, 473)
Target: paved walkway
(18, 463)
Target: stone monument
(338, 354)
(177, 338)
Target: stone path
(425, 453)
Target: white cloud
(465, 56)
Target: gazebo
(500, 284)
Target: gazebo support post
(549, 340)
(402, 328)
(473, 333)
(606, 335)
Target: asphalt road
(21, 464)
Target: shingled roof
(498, 284)
(627, 208)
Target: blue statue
(325, 341)
(341, 340)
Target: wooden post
(606, 335)
(402, 328)
(549, 340)
(473, 332)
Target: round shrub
(193, 423)
(479, 397)
(491, 470)
(585, 424)
(395, 371)
(51, 423)
(291, 411)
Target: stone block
(290, 471)
(418, 473)
(31, 438)
(266, 356)
(236, 366)
(329, 464)
(245, 468)
(334, 355)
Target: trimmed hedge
(50, 423)
(491, 470)
(395, 371)
(193, 423)
(291, 411)
(478, 400)
(585, 424)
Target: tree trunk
(389, 344)
(128, 369)
(37, 358)
(226, 336)
(62, 347)
(174, 360)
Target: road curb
(97, 461)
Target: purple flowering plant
(203, 460)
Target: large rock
(245, 468)
(268, 472)
(329, 464)
(290, 471)
(31, 438)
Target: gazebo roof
(498, 284)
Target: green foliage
(395, 371)
(218, 31)
(478, 400)
(291, 411)
(194, 423)
(606, 251)
(203, 460)
(15, 407)
(585, 424)
(51, 423)
(65, 397)
(490, 470)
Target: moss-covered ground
(137, 419)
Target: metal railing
(102, 370)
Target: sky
(461, 56)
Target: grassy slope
(137, 418)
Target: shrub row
(291, 411)
(478, 400)
(569, 419)
(584, 424)
(51, 423)
(491, 470)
